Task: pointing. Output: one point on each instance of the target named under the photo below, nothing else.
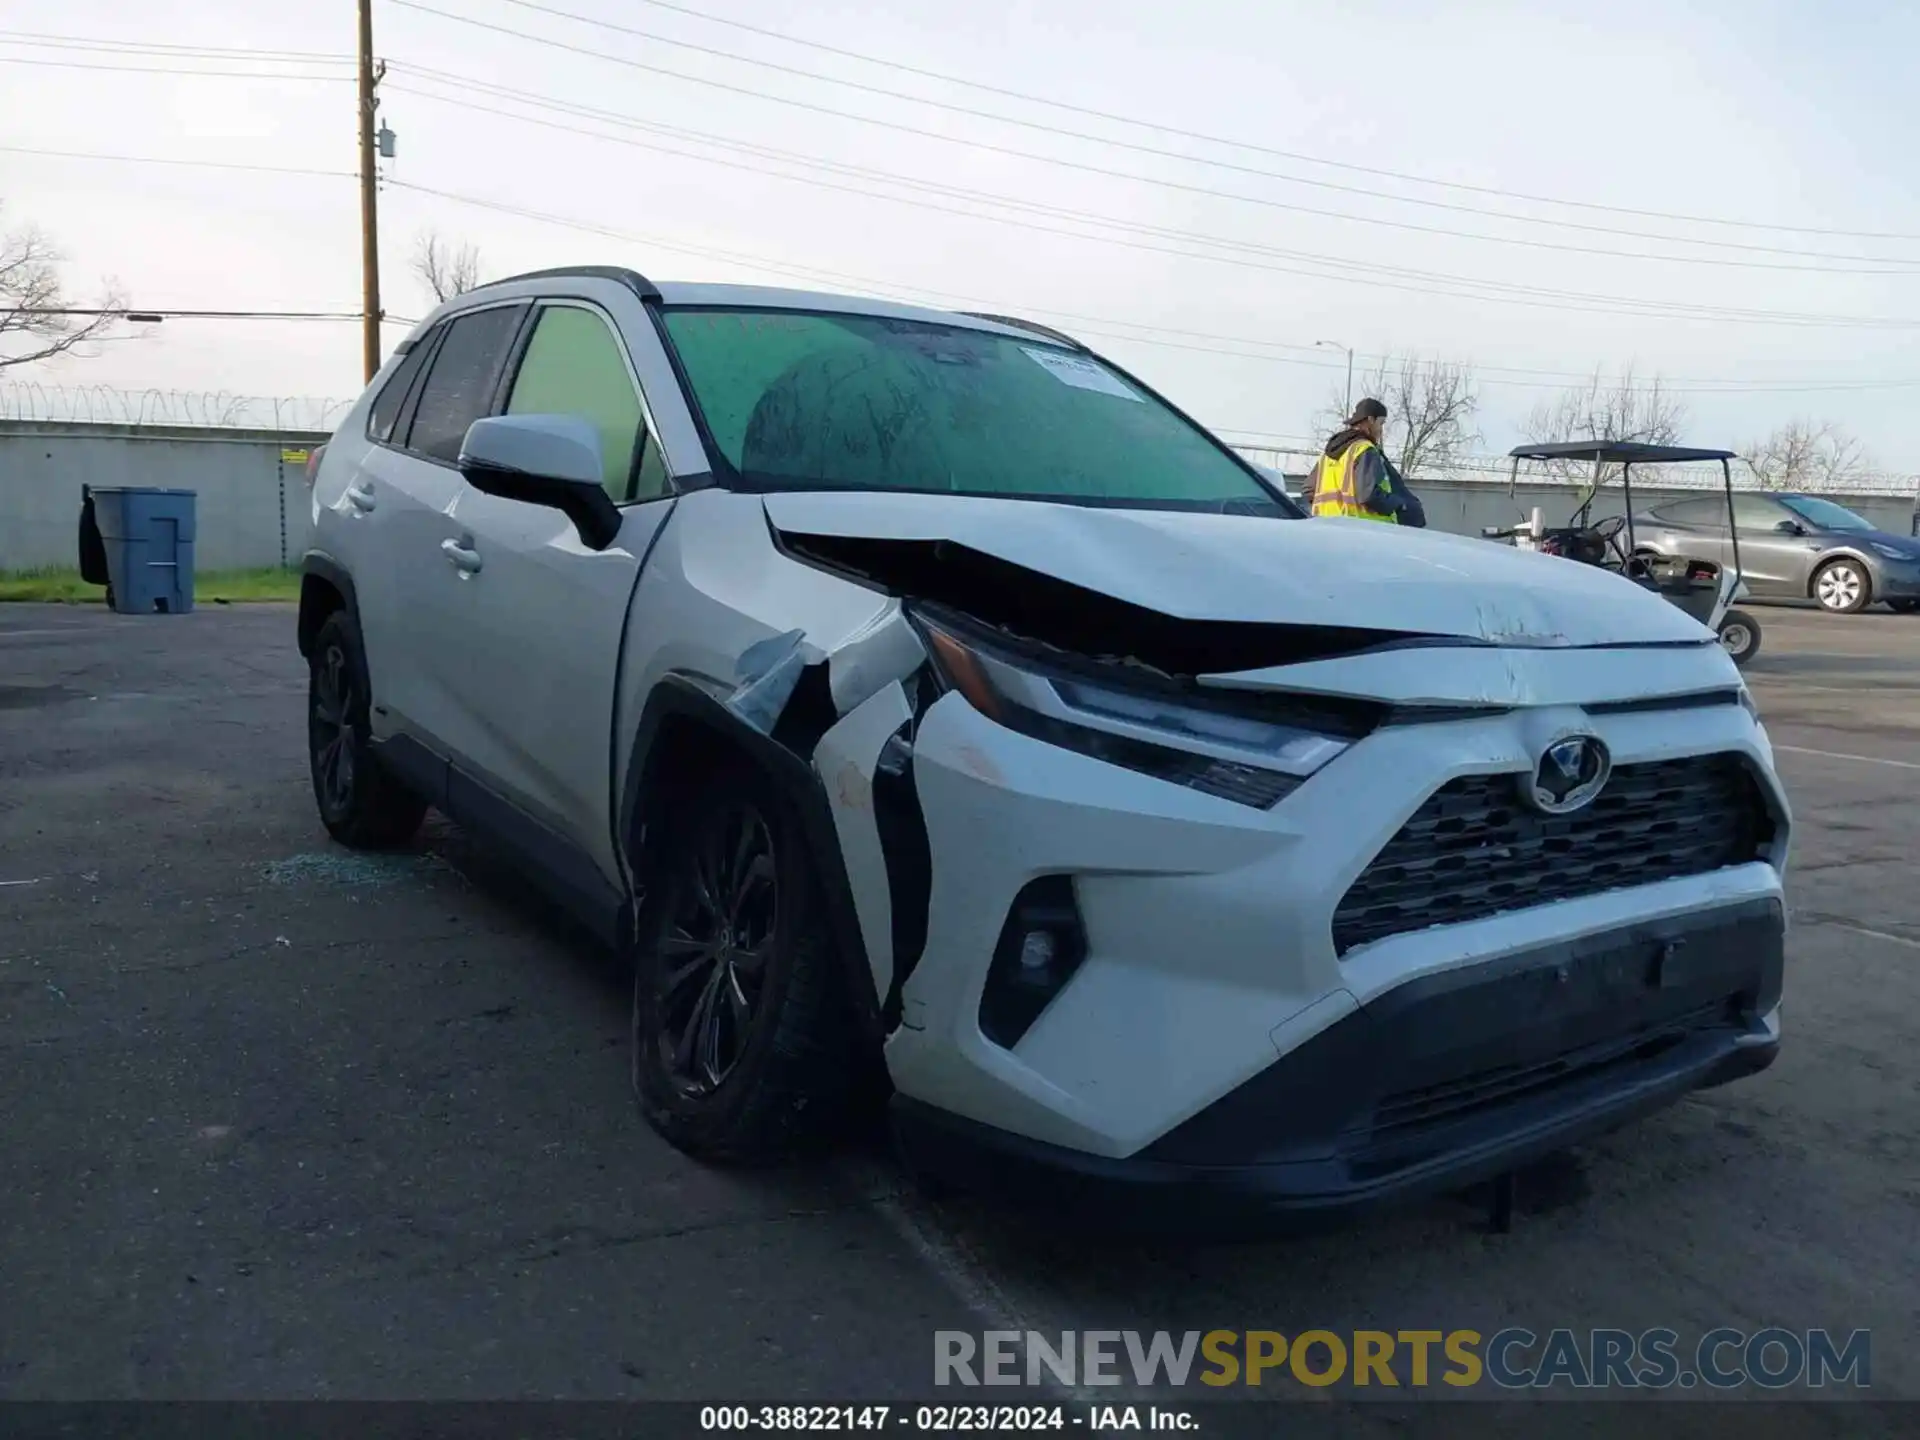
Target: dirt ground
(285, 1121)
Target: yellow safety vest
(1334, 493)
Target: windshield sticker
(1082, 374)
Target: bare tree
(1610, 410)
(37, 319)
(1808, 455)
(1431, 405)
(445, 270)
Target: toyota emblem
(1569, 774)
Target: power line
(1152, 150)
(1342, 269)
(467, 85)
(1107, 115)
(40, 39)
(1307, 445)
(1699, 387)
(163, 160)
(1677, 386)
(913, 294)
(1492, 191)
(135, 313)
(37, 63)
(1378, 276)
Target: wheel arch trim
(1847, 553)
(319, 565)
(681, 698)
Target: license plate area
(1527, 1019)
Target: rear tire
(744, 1047)
(1843, 587)
(361, 804)
(1740, 634)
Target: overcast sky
(1771, 114)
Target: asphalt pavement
(285, 1121)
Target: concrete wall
(252, 506)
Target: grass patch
(209, 586)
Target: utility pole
(369, 199)
(1336, 345)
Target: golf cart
(1704, 588)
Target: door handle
(463, 559)
(360, 497)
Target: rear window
(393, 395)
(809, 401)
(459, 388)
(1695, 512)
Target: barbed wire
(35, 400)
(1497, 469)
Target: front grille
(1475, 849)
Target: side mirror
(550, 460)
(1789, 527)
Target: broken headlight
(1172, 736)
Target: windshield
(799, 401)
(1824, 514)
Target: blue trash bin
(148, 536)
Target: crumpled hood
(1289, 572)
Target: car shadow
(497, 882)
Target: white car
(931, 709)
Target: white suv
(929, 708)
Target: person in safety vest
(1354, 477)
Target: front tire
(1843, 587)
(361, 805)
(1740, 634)
(743, 1044)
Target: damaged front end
(1027, 605)
(1078, 671)
(1099, 853)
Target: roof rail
(632, 279)
(1029, 325)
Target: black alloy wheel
(745, 1046)
(360, 803)
(330, 729)
(718, 942)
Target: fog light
(1036, 954)
(1040, 947)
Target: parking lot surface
(287, 1121)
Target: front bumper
(1209, 926)
(1895, 579)
(1433, 1086)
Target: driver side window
(1755, 514)
(574, 366)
